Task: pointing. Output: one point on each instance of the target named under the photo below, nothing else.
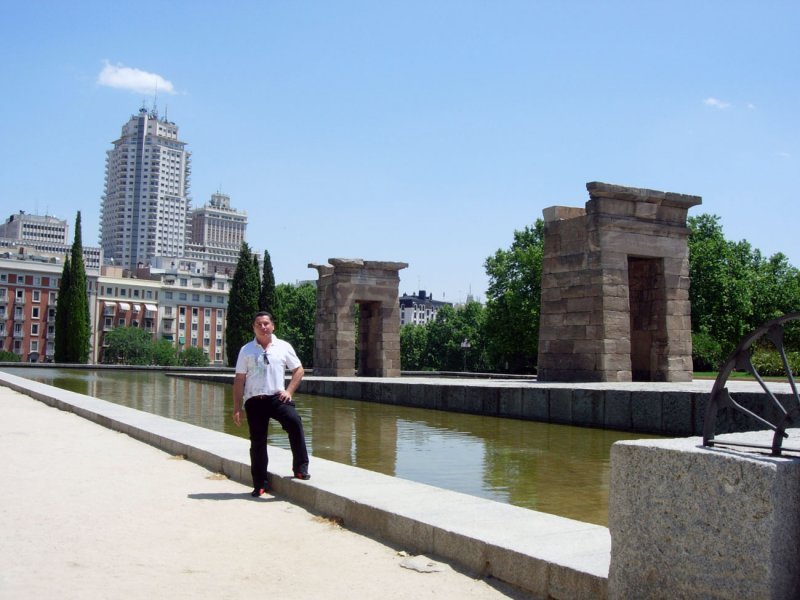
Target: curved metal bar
(740, 358)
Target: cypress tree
(79, 325)
(62, 313)
(242, 304)
(266, 301)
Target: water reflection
(556, 469)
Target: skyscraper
(146, 200)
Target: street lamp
(465, 347)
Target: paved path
(87, 512)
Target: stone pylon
(615, 288)
(369, 289)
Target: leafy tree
(266, 299)
(514, 300)
(193, 357)
(447, 332)
(413, 347)
(6, 356)
(733, 290)
(242, 304)
(163, 353)
(128, 346)
(295, 318)
(73, 302)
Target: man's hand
(237, 416)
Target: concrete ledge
(546, 555)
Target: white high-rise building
(146, 202)
(217, 233)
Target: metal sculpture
(784, 414)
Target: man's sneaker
(258, 492)
(302, 475)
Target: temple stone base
(694, 522)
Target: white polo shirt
(262, 378)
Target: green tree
(295, 318)
(513, 302)
(413, 348)
(446, 334)
(163, 353)
(127, 346)
(6, 356)
(242, 304)
(266, 299)
(193, 357)
(73, 302)
(62, 313)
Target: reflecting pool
(556, 469)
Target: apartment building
(187, 308)
(40, 228)
(146, 200)
(28, 296)
(217, 233)
(419, 308)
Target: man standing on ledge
(259, 385)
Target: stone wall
(615, 288)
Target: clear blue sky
(416, 131)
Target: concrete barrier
(694, 522)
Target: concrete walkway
(88, 512)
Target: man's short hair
(263, 313)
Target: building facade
(146, 200)
(419, 309)
(40, 228)
(217, 233)
(187, 308)
(28, 297)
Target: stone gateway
(371, 288)
(615, 288)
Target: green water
(555, 469)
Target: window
(168, 295)
(20, 294)
(37, 295)
(120, 322)
(182, 296)
(35, 312)
(34, 329)
(207, 313)
(122, 292)
(195, 297)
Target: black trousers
(260, 409)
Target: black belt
(264, 396)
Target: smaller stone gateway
(615, 288)
(373, 288)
